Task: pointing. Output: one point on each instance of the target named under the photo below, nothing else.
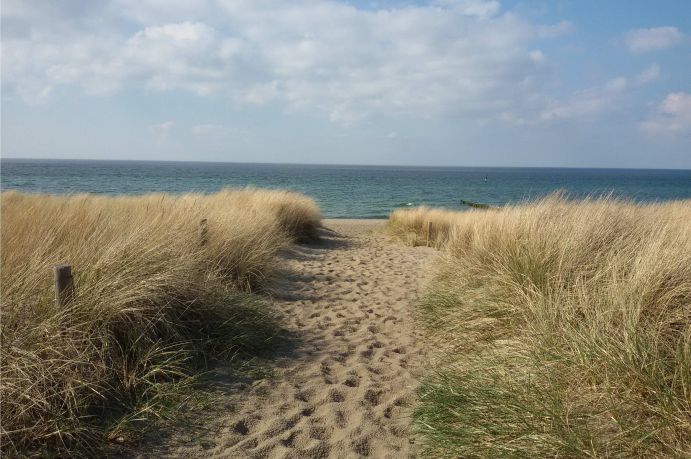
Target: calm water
(344, 191)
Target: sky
(561, 83)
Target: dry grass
(297, 214)
(561, 329)
(412, 225)
(151, 302)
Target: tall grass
(412, 226)
(151, 303)
(561, 329)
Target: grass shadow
(239, 352)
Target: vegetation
(559, 329)
(152, 304)
(412, 226)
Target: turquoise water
(345, 191)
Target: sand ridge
(348, 392)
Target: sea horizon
(279, 163)
(345, 190)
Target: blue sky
(449, 82)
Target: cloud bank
(449, 58)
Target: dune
(503, 323)
(163, 284)
(556, 328)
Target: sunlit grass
(559, 329)
(152, 303)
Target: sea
(346, 191)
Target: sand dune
(348, 388)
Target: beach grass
(154, 302)
(421, 225)
(558, 329)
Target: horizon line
(339, 164)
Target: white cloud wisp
(671, 117)
(652, 39)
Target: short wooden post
(203, 231)
(64, 284)
(429, 233)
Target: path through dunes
(348, 387)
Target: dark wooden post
(429, 233)
(203, 231)
(64, 284)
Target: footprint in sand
(343, 392)
(352, 381)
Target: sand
(347, 389)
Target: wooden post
(203, 232)
(429, 233)
(64, 284)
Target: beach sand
(346, 386)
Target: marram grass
(151, 304)
(560, 328)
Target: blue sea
(345, 191)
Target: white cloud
(173, 56)
(652, 39)
(161, 131)
(671, 117)
(555, 30)
(598, 100)
(648, 75)
(616, 85)
(536, 55)
(477, 8)
(210, 130)
(160, 11)
(451, 58)
(588, 102)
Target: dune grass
(412, 226)
(152, 304)
(559, 328)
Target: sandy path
(348, 388)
